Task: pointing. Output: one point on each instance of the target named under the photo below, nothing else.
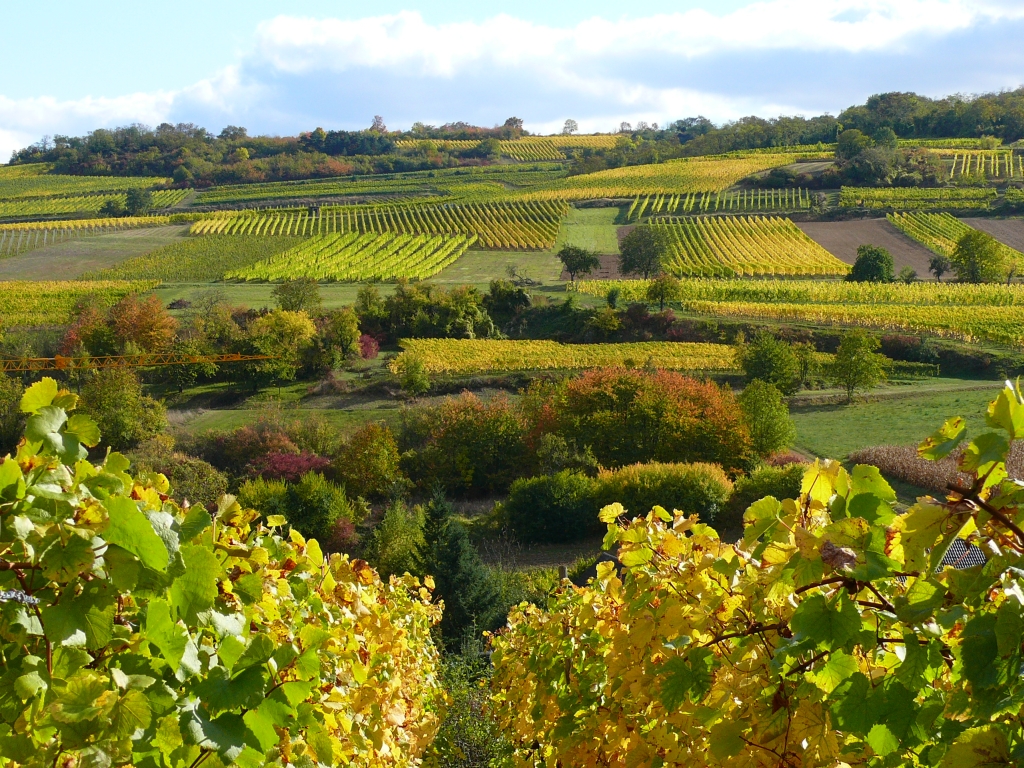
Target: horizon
(279, 70)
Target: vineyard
(18, 238)
(355, 257)
(52, 303)
(717, 246)
(496, 225)
(912, 198)
(460, 356)
(821, 292)
(43, 206)
(528, 149)
(675, 177)
(947, 143)
(739, 201)
(197, 259)
(940, 232)
(21, 181)
(994, 164)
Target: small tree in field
(873, 265)
(978, 258)
(138, 202)
(767, 417)
(299, 295)
(641, 252)
(771, 360)
(570, 127)
(578, 261)
(664, 289)
(857, 365)
(939, 265)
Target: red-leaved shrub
(286, 466)
(368, 347)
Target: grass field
(835, 431)
(257, 295)
(591, 228)
(68, 260)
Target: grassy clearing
(835, 431)
(480, 267)
(258, 295)
(591, 228)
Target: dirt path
(1007, 231)
(842, 238)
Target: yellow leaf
(611, 513)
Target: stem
(199, 760)
(754, 629)
(972, 496)
(823, 583)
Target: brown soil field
(1007, 231)
(842, 238)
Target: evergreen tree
(472, 601)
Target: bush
(634, 416)
(780, 482)
(396, 539)
(978, 258)
(412, 375)
(369, 462)
(265, 496)
(554, 508)
(700, 489)
(126, 417)
(767, 417)
(465, 444)
(314, 505)
(191, 479)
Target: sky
(280, 68)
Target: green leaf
(259, 651)
(86, 619)
(872, 508)
(219, 692)
(984, 747)
(224, 734)
(164, 633)
(868, 479)
(837, 669)
(132, 531)
(920, 600)
(1007, 414)
(82, 699)
(911, 670)
(984, 451)
(28, 685)
(261, 721)
(195, 522)
(12, 481)
(979, 650)
(44, 427)
(130, 713)
(611, 513)
(39, 395)
(230, 650)
(761, 517)
(943, 442)
(854, 707)
(1009, 627)
(726, 739)
(829, 625)
(63, 561)
(684, 677)
(638, 556)
(196, 589)
(882, 740)
(249, 588)
(85, 429)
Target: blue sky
(284, 67)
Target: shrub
(113, 397)
(978, 258)
(265, 496)
(767, 417)
(233, 451)
(396, 539)
(634, 416)
(465, 444)
(368, 347)
(287, 466)
(412, 375)
(873, 265)
(780, 482)
(369, 462)
(113, 675)
(700, 489)
(314, 505)
(11, 417)
(554, 508)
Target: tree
(113, 398)
(873, 265)
(625, 127)
(368, 463)
(300, 294)
(11, 418)
(578, 261)
(886, 137)
(112, 208)
(939, 265)
(767, 417)
(412, 374)
(284, 336)
(570, 127)
(664, 289)
(472, 602)
(851, 143)
(907, 275)
(641, 252)
(396, 540)
(771, 360)
(142, 322)
(138, 202)
(512, 128)
(378, 125)
(857, 365)
(978, 258)
(340, 330)
(505, 300)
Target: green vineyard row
(744, 200)
(50, 206)
(52, 303)
(940, 232)
(353, 257)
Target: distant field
(72, 258)
(842, 238)
(591, 228)
(1007, 231)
